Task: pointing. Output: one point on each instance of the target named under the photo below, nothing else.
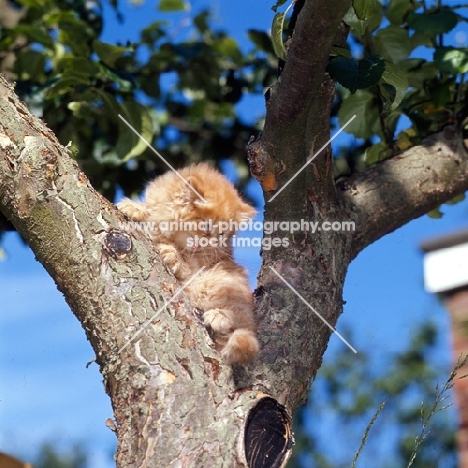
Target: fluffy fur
(221, 290)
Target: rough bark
(176, 404)
(406, 186)
(298, 113)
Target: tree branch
(172, 396)
(298, 113)
(406, 186)
(297, 88)
(314, 264)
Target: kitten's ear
(193, 189)
(246, 212)
(196, 194)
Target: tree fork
(175, 403)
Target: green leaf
(172, 5)
(150, 86)
(457, 199)
(357, 25)
(74, 32)
(365, 8)
(370, 71)
(435, 213)
(108, 53)
(418, 71)
(277, 35)
(261, 39)
(377, 153)
(217, 112)
(278, 4)
(397, 10)
(418, 39)
(34, 34)
(35, 3)
(345, 71)
(154, 32)
(129, 144)
(393, 43)
(432, 24)
(79, 65)
(201, 22)
(336, 51)
(441, 91)
(30, 65)
(406, 139)
(197, 110)
(388, 94)
(67, 83)
(451, 60)
(396, 79)
(124, 80)
(74, 106)
(353, 74)
(79, 109)
(227, 47)
(188, 50)
(364, 105)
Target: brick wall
(457, 305)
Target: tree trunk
(175, 403)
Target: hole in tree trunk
(268, 437)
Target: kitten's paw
(241, 348)
(170, 256)
(218, 321)
(174, 261)
(133, 210)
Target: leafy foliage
(421, 86)
(396, 73)
(180, 96)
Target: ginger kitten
(204, 216)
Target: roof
(444, 242)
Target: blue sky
(46, 391)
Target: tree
(175, 402)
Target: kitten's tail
(241, 347)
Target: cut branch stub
(268, 435)
(261, 166)
(118, 244)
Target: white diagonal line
(151, 147)
(313, 310)
(312, 158)
(159, 310)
